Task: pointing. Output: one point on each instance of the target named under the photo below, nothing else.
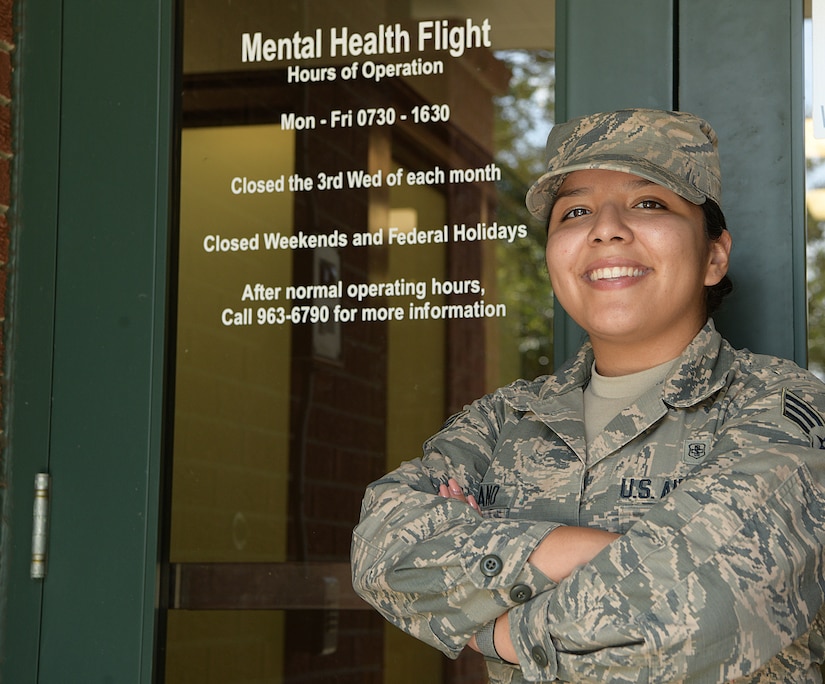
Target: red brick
(5, 130)
(4, 240)
(5, 74)
(5, 182)
(7, 21)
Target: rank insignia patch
(805, 416)
(818, 437)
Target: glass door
(354, 263)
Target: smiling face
(629, 261)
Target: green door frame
(86, 351)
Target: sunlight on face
(629, 260)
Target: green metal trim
(747, 81)
(88, 315)
(632, 67)
(109, 323)
(165, 207)
(29, 325)
(798, 200)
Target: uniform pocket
(629, 514)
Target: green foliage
(524, 118)
(816, 294)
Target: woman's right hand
(452, 490)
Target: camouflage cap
(676, 150)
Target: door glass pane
(354, 263)
(815, 198)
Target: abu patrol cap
(676, 150)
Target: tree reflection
(524, 116)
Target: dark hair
(715, 224)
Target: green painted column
(609, 55)
(739, 64)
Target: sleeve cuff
(486, 642)
(496, 554)
(535, 649)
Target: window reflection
(815, 218)
(340, 292)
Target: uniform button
(521, 593)
(539, 656)
(491, 565)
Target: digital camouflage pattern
(715, 479)
(674, 149)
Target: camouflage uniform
(715, 479)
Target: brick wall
(6, 51)
(6, 57)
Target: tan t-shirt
(605, 397)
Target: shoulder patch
(804, 415)
(818, 437)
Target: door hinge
(40, 525)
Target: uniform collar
(700, 371)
